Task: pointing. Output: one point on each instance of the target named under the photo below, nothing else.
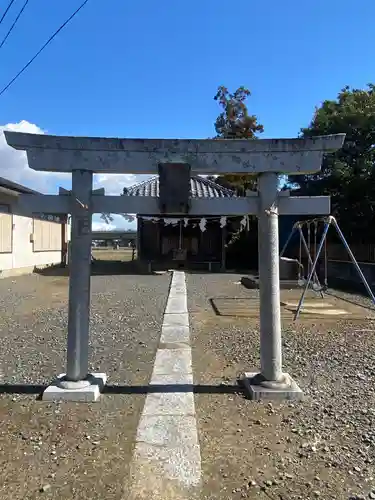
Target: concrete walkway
(166, 463)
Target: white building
(28, 243)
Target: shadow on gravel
(132, 389)
(22, 388)
(196, 388)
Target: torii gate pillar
(268, 241)
(271, 382)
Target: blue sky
(150, 69)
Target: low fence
(337, 251)
(343, 274)
(341, 271)
(362, 252)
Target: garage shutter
(6, 229)
(47, 236)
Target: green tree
(347, 175)
(235, 122)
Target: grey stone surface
(173, 345)
(167, 458)
(178, 281)
(182, 465)
(80, 277)
(171, 431)
(269, 290)
(169, 403)
(101, 155)
(173, 379)
(88, 394)
(178, 289)
(54, 204)
(259, 392)
(176, 304)
(180, 319)
(170, 361)
(175, 334)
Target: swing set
(315, 250)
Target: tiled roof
(200, 188)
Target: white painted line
(175, 334)
(177, 291)
(172, 361)
(172, 379)
(166, 473)
(152, 430)
(167, 462)
(179, 319)
(169, 403)
(176, 304)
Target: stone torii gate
(84, 156)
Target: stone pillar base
(86, 391)
(255, 389)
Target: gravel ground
(108, 254)
(67, 450)
(323, 447)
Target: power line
(14, 23)
(6, 11)
(42, 48)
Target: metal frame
(298, 226)
(328, 221)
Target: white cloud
(14, 166)
(102, 226)
(118, 223)
(114, 183)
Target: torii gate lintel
(142, 156)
